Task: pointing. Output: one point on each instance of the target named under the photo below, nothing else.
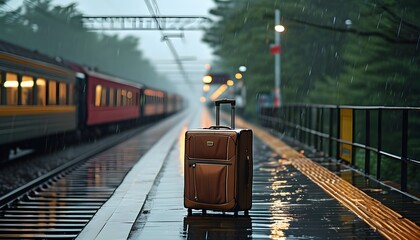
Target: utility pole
(277, 62)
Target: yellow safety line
(33, 110)
(381, 218)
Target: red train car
(173, 103)
(153, 102)
(110, 99)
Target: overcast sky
(150, 41)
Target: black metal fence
(382, 141)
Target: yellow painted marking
(33, 110)
(381, 218)
(36, 64)
(346, 133)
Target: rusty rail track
(59, 204)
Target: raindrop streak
(399, 29)
(379, 21)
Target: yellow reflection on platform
(281, 221)
(181, 144)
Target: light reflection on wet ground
(286, 205)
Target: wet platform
(292, 199)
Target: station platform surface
(293, 198)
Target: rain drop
(379, 21)
(399, 29)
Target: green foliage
(58, 31)
(378, 67)
(372, 61)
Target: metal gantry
(185, 23)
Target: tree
(240, 37)
(58, 31)
(363, 49)
(379, 60)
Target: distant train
(46, 99)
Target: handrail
(310, 125)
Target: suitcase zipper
(217, 162)
(195, 185)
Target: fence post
(379, 149)
(319, 129)
(404, 153)
(310, 136)
(367, 142)
(300, 124)
(293, 120)
(330, 145)
(337, 154)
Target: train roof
(30, 54)
(110, 77)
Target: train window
(103, 97)
(52, 92)
(62, 93)
(11, 84)
(71, 94)
(124, 97)
(118, 96)
(27, 85)
(129, 98)
(108, 92)
(111, 97)
(98, 92)
(41, 91)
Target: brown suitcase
(218, 167)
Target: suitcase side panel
(245, 169)
(210, 169)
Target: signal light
(207, 79)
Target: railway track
(59, 204)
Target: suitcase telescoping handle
(232, 103)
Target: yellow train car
(37, 97)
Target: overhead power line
(168, 42)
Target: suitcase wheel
(189, 211)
